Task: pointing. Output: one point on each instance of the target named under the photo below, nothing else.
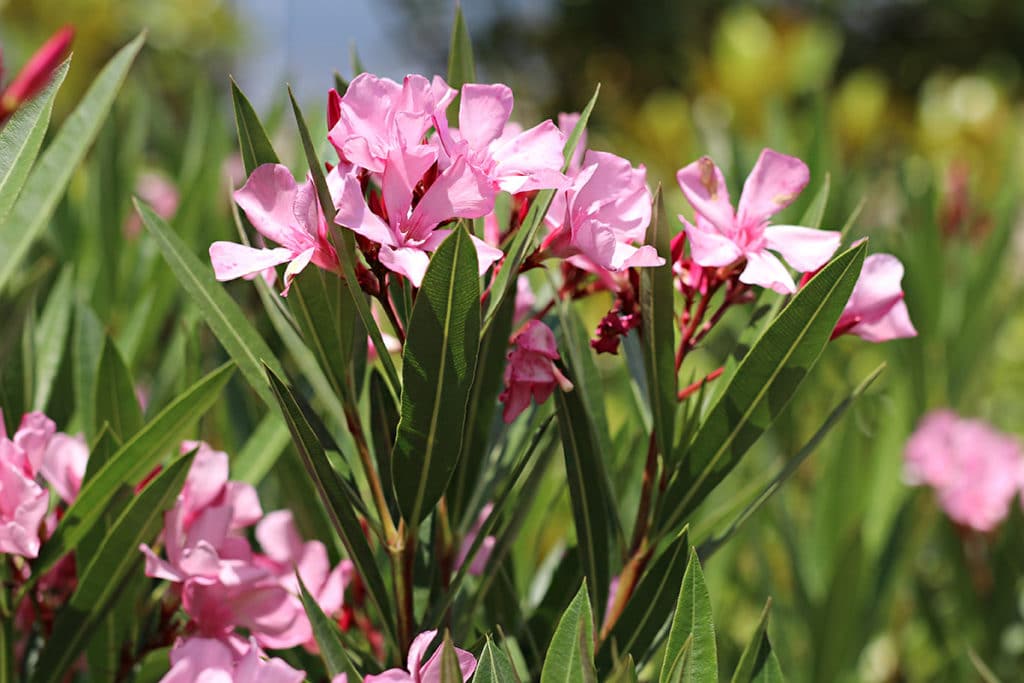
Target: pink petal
(64, 464)
(765, 270)
(772, 185)
(709, 248)
(459, 192)
(878, 288)
(805, 249)
(404, 170)
(407, 261)
(486, 255)
(704, 187)
(279, 537)
(231, 260)
(531, 160)
(268, 199)
(417, 649)
(566, 124)
(483, 112)
(354, 214)
(895, 324)
(390, 676)
(297, 265)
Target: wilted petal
(772, 185)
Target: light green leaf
(261, 450)
(437, 372)
(692, 622)
(51, 335)
(570, 657)
(101, 580)
(21, 137)
(762, 385)
(816, 209)
(624, 671)
(494, 666)
(49, 177)
(229, 324)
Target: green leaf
(116, 558)
(130, 464)
(50, 176)
(86, 350)
(981, 668)
(505, 282)
(115, 401)
(460, 55)
(624, 671)
(326, 315)
(692, 622)
(657, 310)
(754, 663)
(494, 666)
(763, 383)
(383, 425)
(252, 137)
(51, 335)
(590, 505)
(570, 657)
(262, 449)
(21, 138)
(816, 209)
(335, 497)
(450, 671)
(328, 639)
(229, 324)
(437, 372)
(650, 605)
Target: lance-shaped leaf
(656, 310)
(590, 504)
(460, 54)
(650, 605)
(336, 498)
(50, 176)
(494, 666)
(252, 137)
(692, 624)
(262, 449)
(450, 670)
(570, 657)
(51, 335)
(86, 349)
(624, 671)
(116, 558)
(127, 466)
(437, 373)
(757, 663)
(229, 324)
(328, 639)
(762, 385)
(21, 138)
(326, 315)
(115, 402)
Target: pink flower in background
(157, 191)
(34, 433)
(23, 504)
(377, 116)
(531, 371)
(876, 310)
(36, 73)
(483, 554)
(284, 212)
(64, 463)
(598, 220)
(513, 160)
(721, 236)
(976, 471)
(418, 672)
(214, 661)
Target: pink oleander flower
(377, 116)
(531, 371)
(210, 660)
(157, 191)
(23, 504)
(64, 463)
(976, 471)
(483, 554)
(566, 124)
(409, 233)
(416, 671)
(876, 310)
(512, 159)
(36, 73)
(597, 221)
(284, 212)
(721, 236)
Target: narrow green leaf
(51, 336)
(326, 315)
(692, 622)
(383, 426)
(981, 668)
(117, 557)
(221, 313)
(460, 55)
(115, 402)
(328, 639)
(437, 372)
(570, 657)
(590, 506)
(130, 464)
(22, 136)
(450, 671)
(6, 649)
(657, 310)
(816, 209)
(252, 137)
(86, 350)
(261, 450)
(335, 498)
(50, 176)
(755, 654)
(763, 383)
(494, 666)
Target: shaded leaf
(115, 402)
(51, 336)
(328, 638)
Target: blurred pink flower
(416, 671)
(976, 471)
(64, 463)
(23, 504)
(721, 236)
(215, 661)
(531, 371)
(598, 220)
(157, 191)
(476, 567)
(282, 211)
(876, 310)
(36, 73)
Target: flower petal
(704, 187)
(805, 249)
(772, 185)
(231, 260)
(766, 270)
(483, 112)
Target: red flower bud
(37, 72)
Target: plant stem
(642, 523)
(402, 569)
(369, 468)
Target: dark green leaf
(252, 137)
(383, 425)
(115, 402)
(494, 666)
(692, 622)
(86, 350)
(570, 657)
(754, 659)
(328, 639)
(326, 315)
(437, 373)
(450, 671)
(460, 55)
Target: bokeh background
(911, 110)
